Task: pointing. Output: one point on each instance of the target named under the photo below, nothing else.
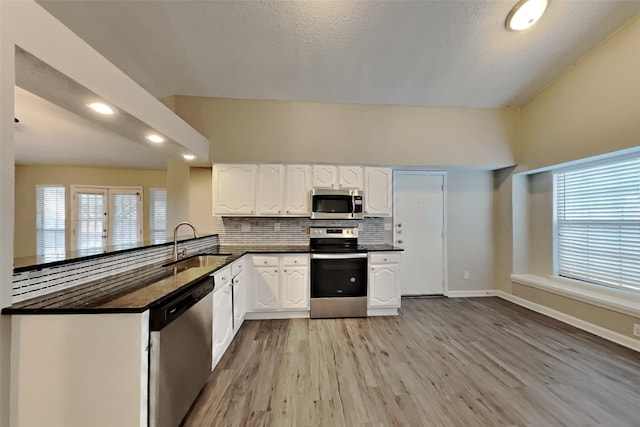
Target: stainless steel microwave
(336, 204)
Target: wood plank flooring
(442, 362)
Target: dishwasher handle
(164, 314)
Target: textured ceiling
(435, 53)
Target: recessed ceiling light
(188, 156)
(525, 13)
(101, 108)
(155, 138)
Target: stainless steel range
(338, 273)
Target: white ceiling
(435, 53)
(49, 134)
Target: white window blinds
(126, 224)
(158, 215)
(598, 224)
(50, 223)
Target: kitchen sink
(201, 260)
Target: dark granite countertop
(145, 287)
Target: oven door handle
(339, 256)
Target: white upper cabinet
(377, 191)
(350, 177)
(270, 193)
(330, 176)
(324, 176)
(297, 193)
(234, 189)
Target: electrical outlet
(466, 275)
(636, 329)
(246, 228)
(387, 226)
(276, 226)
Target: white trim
(610, 299)
(382, 312)
(471, 294)
(607, 334)
(270, 315)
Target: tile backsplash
(43, 280)
(289, 231)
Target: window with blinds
(125, 225)
(158, 215)
(50, 223)
(597, 224)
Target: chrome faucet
(175, 239)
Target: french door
(104, 217)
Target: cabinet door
(350, 177)
(377, 191)
(265, 292)
(297, 190)
(234, 189)
(384, 286)
(239, 301)
(269, 197)
(324, 176)
(222, 322)
(295, 288)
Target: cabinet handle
(399, 241)
(295, 261)
(385, 260)
(275, 271)
(265, 262)
(279, 211)
(372, 268)
(285, 270)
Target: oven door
(338, 275)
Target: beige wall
(314, 132)
(469, 230)
(29, 176)
(592, 109)
(608, 319)
(540, 223)
(200, 211)
(178, 177)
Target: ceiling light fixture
(188, 156)
(101, 108)
(524, 14)
(155, 138)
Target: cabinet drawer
(265, 261)
(384, 258)
(293, 260)
(237, 267)
(221, 278)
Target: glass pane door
(89, 218)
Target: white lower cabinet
(222, 314)
(239, 288)
(280, 283)
(384, 280)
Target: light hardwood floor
(442, 362)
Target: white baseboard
(607, 334)
(382, 312)
(471, 294)
(269, 315)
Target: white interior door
(419, 230)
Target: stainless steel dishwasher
(180, 353)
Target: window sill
(611, 299)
